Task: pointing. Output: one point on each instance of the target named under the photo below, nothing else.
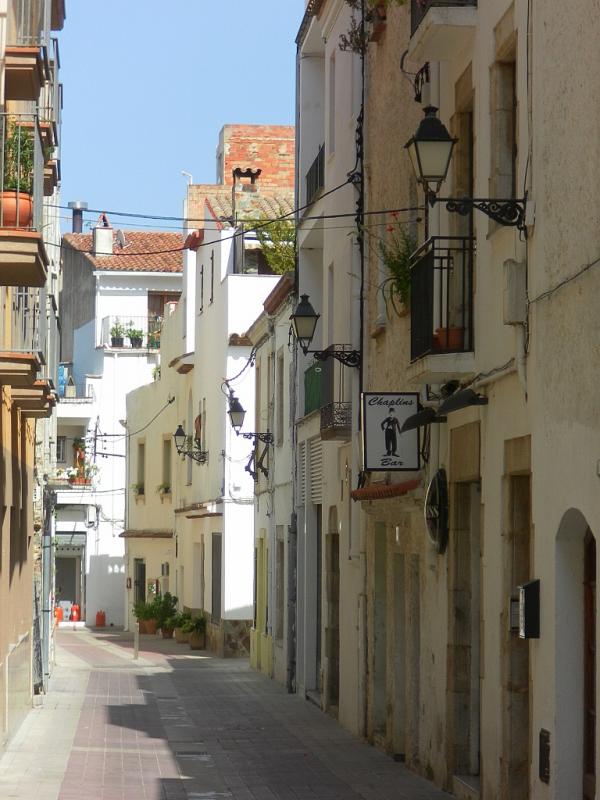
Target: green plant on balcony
(18, 158)
(137, 489)
(277, 240)
(135, 335)
(154, 339)
(117, 333)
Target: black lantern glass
(179, 438)
(430, 150)
(236, 414)
(304, 321)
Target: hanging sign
(384, 447)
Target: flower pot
(197, 640)
(116, 341)
(181, 637)
(142, 624)
(167, 633)
(448, 339)
(150, 626)
(16, 210)
(135, 341)
(154, 344)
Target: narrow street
(176, 725)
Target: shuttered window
(316, 471)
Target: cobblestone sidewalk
(180, 726)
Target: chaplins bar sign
(384, 447)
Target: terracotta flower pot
(181, 637)
(448, 338)
(151, 626)
(16, 210)
(142, 624)
(197, 641)
(167, 633)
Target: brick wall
(267, 147)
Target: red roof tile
(144, 251)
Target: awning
(146, 534)
(384, 491)
(70, 539)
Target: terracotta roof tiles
(144, 251)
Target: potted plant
(138, 490)
(181, 635)
(196, 629)
(154, 339)
(117, 333)
(143, 612)
(164, 490)
(166, 610)
(17, 179)
(135, 335)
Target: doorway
(589, 667)
(139, 580)
(379, 631)
(465, 623)
(332, 635)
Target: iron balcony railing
(26, 334)
(441, 296)
(336, 421)
(28, 23)
(315, 177)
(75, 393)
(418, 9)
(21, 172)
(50, 103)
(131, 332)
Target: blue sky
(148, 85)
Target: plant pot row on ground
(161, 614)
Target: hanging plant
(396, 252)
(358, 36)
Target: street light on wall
(189, 446)
(430, 150)
(304, 322)
(237, 413)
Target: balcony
(51, 177)
(440, 29)
(315, 177)
(37, 401)
(75, 393)
(28, 26)
(336, 421)
(50, 103)
(23, 259)
(131, 333)
(441, 302)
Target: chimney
(102, 237)
(78, 207)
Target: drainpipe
(521, 357)
(47, 561)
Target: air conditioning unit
(164, 569)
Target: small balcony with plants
(23, 258)
(441, 28)
(320, 394)
(131, 333)
(441, 309)
(27, 39)
(50, 103)
(82, 470)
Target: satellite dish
(120, 237)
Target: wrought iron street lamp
(304, 322)
(189, 446)
(237, 413)
(430, 151)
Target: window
(503, 101)
(61, 442)
(166, 465)
(141, 466)
(279, 395)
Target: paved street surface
(176, 725)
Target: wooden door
(589, 668)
